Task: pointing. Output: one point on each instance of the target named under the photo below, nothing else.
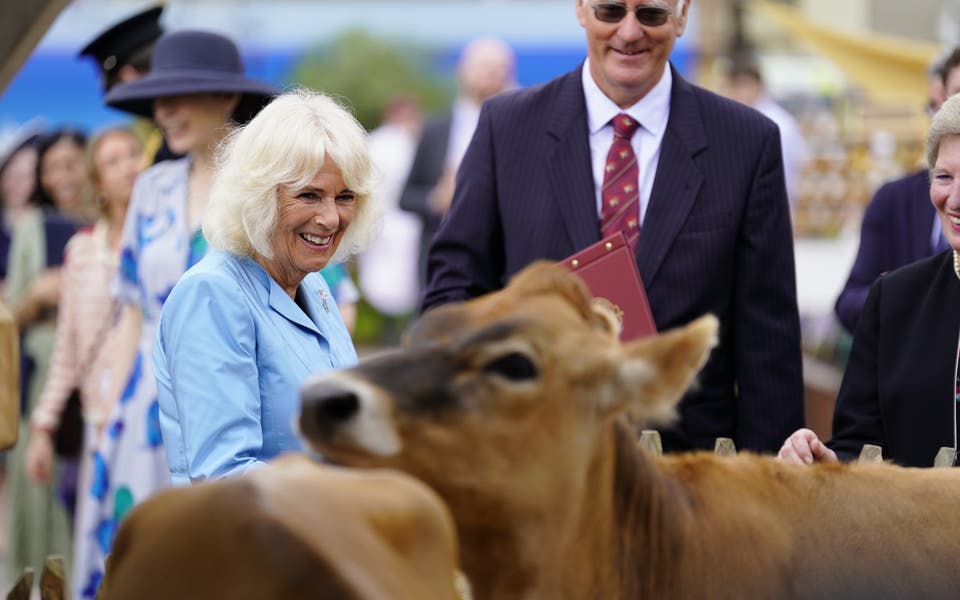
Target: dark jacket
(899, 385)
(896, 230)
(716, 239)
(428, 166)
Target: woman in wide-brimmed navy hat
(195, 90)
(191, 63)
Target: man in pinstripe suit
(715, 222)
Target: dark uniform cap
(113, 48)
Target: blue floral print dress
(158, 246)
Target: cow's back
(818, 532)
(291, 530)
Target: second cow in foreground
(509, 406)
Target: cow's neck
(628, 527)
(653, 521)
(598, 539)
(494, 553)
(519, 549)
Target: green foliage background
(366, 71)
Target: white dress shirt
(463, 123)
(652, 112)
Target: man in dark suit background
(713, 212)
(900, 224)
(486, 67)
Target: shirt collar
(464, 108)
(651, 111)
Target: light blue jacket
(231, 352)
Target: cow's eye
(513, 366)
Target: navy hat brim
(137, 97)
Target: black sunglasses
(649, 16)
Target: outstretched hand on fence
(804, 447)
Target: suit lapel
(437, 144)
(324, 313)
(571, 179)
(288, 309)
(678, 180)
(265, 288)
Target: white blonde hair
(284, 146)
(946, 122)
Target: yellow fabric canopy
(888, 68)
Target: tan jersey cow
(508, 406)
(291, 530)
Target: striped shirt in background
(83, 344)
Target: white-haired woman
(901, 388)
(250, 322)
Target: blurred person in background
(83, 347)
(38, 524)
(58, 208)
(899, 225)
(487, 67)
(62, 185)
(122, 53)
(388, 270)
(244, 328)
(901, 387)
(745, 85)
(18, 178)
(195, 91)
(694, 181)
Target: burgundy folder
(610, 271)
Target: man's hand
(804, 447)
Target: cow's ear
(607, 316)
(654, 372)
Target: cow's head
(505, 395)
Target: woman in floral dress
(194, 90)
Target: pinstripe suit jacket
(716, 238)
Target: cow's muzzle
(336, 410)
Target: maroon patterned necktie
(620, 197)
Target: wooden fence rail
(650, 441)
(53, 581)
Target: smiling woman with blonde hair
(245, 327)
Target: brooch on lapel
(323, 299)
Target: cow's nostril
(325, 406)
(336, 407)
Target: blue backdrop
(64, 89)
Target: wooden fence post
(53, 579)
(871, 454)
(650, 441)
(725, 447)
(21, 588)
(945, 457)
